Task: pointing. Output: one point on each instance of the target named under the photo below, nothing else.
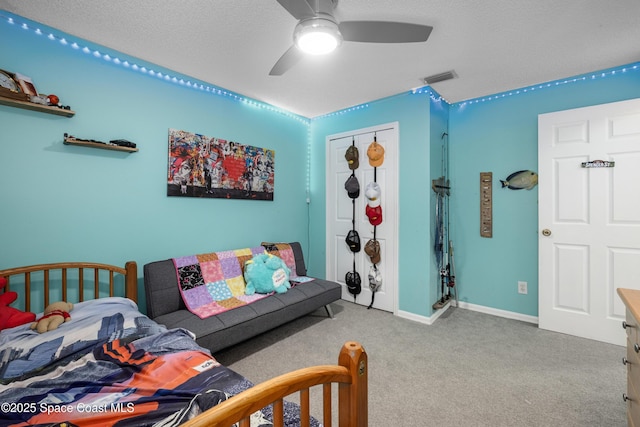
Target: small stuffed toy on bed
(266, 273)
(11, 317)
(54, 315)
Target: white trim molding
(500, 313)
(467, 306)
(423, 319)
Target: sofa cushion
(161, 288)
(237, 325)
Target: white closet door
(340, 210)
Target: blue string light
(344, 111)
(166, 77)
(555, 83)
(435, 97)
(599, 75)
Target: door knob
(546, 232)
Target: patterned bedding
(112, 366)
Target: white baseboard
(423, 319)
(498, 312)
(467, 306)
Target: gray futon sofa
(165, 306)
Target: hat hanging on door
(352, 157)
(354, 283)
(375, 152)
(352, 186)
(375, 282)
(372, 248)
(372, 193)
(374, 214)
(375, 279)
(353, 241)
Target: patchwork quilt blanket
(213, 283)
(112, 366)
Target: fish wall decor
(521, 180)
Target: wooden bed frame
(73, 271)
(350, 374)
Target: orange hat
(375, 152)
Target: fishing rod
(443, 248)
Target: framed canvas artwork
(210, 167)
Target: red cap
(374, 214)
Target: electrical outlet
(522, 287)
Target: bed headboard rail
(73, 271)
(350, 374)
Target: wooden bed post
(131, 284)
(353, 398)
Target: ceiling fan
(319, 33)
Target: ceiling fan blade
(298, 8)
(384, 32)
(290, 58)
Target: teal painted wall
(501, 136)
(69, 203)
(64, 203)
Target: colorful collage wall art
(209, 167)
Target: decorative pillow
(285, 252)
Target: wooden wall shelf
(36, 107)
(103, 146)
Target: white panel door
(589, 218)
(340, 211)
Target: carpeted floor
(467, 369)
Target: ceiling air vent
(436, 78)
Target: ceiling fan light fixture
(317, 36)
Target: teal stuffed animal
(266, 273)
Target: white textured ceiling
(493, 45)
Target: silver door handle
(546, 232)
